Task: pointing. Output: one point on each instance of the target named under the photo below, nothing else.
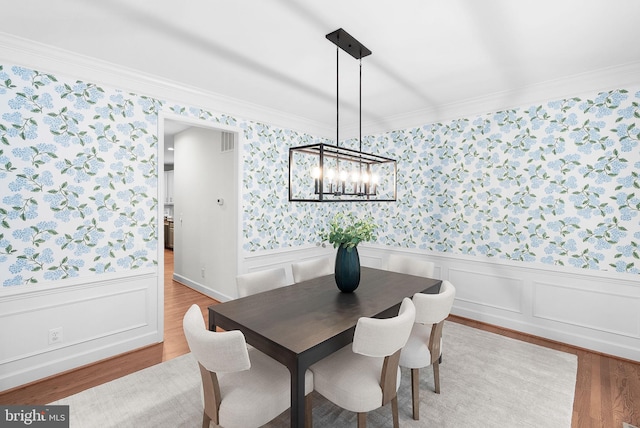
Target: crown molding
(38, 56)
(622, 76)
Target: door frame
(237, 156)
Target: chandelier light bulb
(331, 174)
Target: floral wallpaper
(555, 183)
(77, 178)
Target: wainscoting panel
(593, 310)
(604, 310)
(487, 290)
(97, 320)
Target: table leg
(297, 394)
(212, 321)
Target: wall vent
(227, 143)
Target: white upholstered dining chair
(424, 346)
(410, 265)
(242, 387)
(309, 269)
(263, 280)
(365, 375)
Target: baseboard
(194, 285)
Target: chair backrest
(218, 352)
(309, 269)
(410, 265)
(433, 308)
(257, 282)
(376, 337)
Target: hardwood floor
(607, 389)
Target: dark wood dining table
(300, 324)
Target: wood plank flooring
(607, 389)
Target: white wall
(205, 237)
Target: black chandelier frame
(327, 189)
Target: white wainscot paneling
(98, 320)
(489, 290)
(609, 311)
(593, 310)
(589, 309)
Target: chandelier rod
(337, 96)
(360, 102)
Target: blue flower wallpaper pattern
(554, 184)
(78, 178)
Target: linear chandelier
(330, 173)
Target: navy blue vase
(347, 271)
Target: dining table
(302, 323)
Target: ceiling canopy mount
(348, 43)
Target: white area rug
(487, 380)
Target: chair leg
(362, 420)
(206, 420)
(308, 409)
(436, 376)
(415, 393)
(394, 412)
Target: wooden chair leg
(415, 393)
(206, 420)
(362, 420)
(394, 412)
(308, 409)
(436, 376)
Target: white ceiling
(273, 54)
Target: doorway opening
(200, 203)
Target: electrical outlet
(202, 272)
(55, 335)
